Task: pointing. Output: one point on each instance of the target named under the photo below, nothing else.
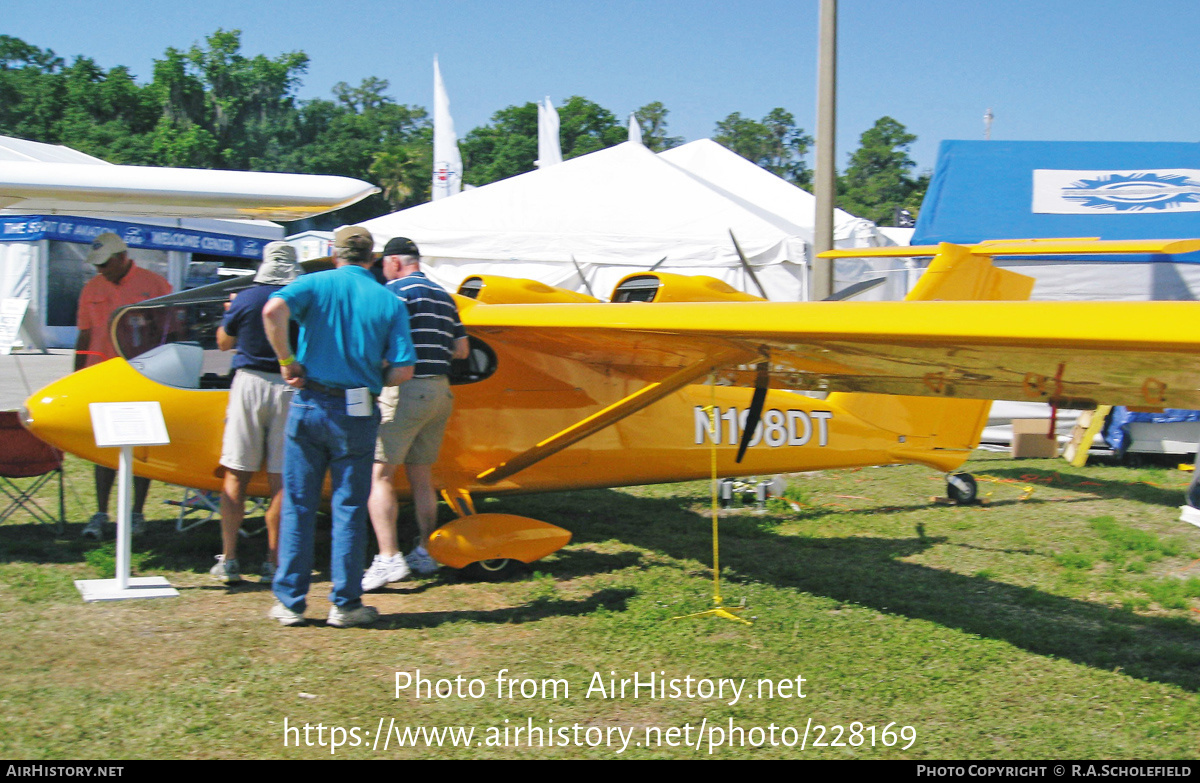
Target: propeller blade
(579, 269)
(754, 415)
(746, 265)
(855, 290)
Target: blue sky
(1049, 70)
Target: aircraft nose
(58, 415)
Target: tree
(508, 146)
(213, 107)
(504, 148)
(107, 114)
(242, 103)
(586, 127)
(367, 95)
(101, 113)
(878, 182)
(652, 119)
(367, 135)
(775, 143)
(31, 90)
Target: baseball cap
(353, 237)
(104, 247)
(401, 246)
(279, 265)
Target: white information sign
(128, 424)
(125, 425)
(1108, 192)
(12, 313)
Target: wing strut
(635, 402)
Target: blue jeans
(321, 438)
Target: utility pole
(825, 175)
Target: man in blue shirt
(354, 340)
(257, 412)
(414, 417)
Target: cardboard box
(1029, 439)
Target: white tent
(723, 169)
(43, 250)
(730, 173)
(601, 216)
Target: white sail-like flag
(447, 162)
(549, 146)
(635, 129)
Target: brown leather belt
(321, 388)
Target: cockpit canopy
(173, 339)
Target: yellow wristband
(290, 360)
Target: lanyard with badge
(359, 402)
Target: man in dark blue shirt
(413, 416)
(257, 412)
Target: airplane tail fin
(935, 431)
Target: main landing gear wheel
(493, 570)
(961, 488)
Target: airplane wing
(1076, 354)
(986, 344)
(101, 189)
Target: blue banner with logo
(1028, 189)
(28, 228)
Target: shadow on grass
(160, 548)
(871, 572)
(35, 543)
(867, 571)
(1128, 489)
(609, 599)
(820, 512)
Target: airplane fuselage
(501, 416)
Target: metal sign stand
(125, 425)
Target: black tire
(493, 570)
(962, 489)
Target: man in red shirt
(120, 282)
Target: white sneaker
(226, 570)
(97, 527)
(284, 615)
(348, 618)
(419, 560)
(384, 570)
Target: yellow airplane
(563, 391)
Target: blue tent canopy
(1027, 189)
(1019, 189)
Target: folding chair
(199, 506)
(24, 456)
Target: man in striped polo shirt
(414, 415)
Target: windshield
(173, 339)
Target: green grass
(1059, 625)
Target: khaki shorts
(255, 421)
(414, 416)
